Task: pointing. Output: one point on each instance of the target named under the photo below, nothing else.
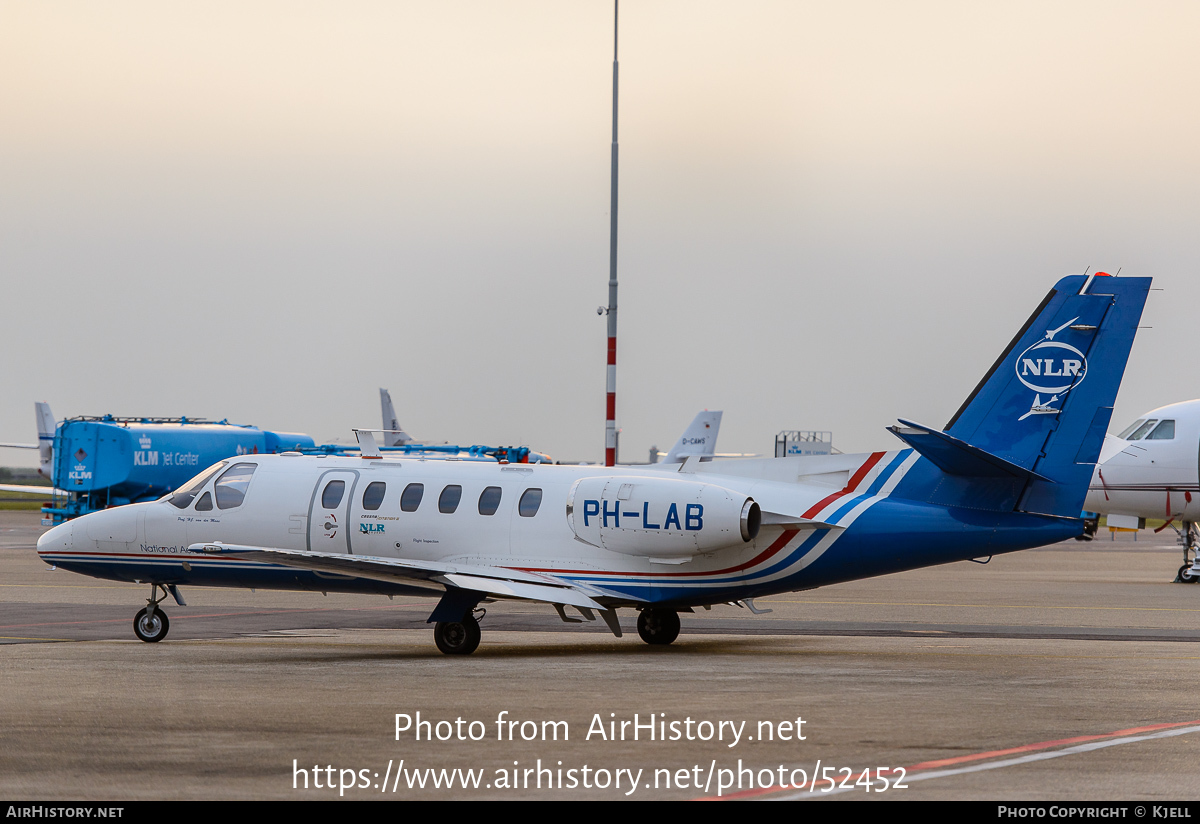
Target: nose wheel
(151, 624)
(1187, 539)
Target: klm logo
(145, 458)
(367, 529)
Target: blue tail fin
(1045, 404)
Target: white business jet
(1152, 470)
(1009, 471)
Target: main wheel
(1186, 576)
(658, 626)
(151, 628)
(457, 637)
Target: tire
(658, 626)
(457, 637)
(151, 628)
(1185, 575)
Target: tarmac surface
(1064, 673)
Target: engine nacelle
(664, 518)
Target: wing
(495, 581)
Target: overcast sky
(831, 214)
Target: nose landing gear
(151, 624)
(1187, 539)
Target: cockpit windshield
(183, 496)
(1141, 430)
(1127, 431)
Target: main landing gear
(457, 637)
(658, 626)
(151, 624)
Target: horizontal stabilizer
(957, 457)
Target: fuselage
(665, 536)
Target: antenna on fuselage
(610, 423)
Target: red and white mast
(610, 423)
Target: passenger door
(329, 511)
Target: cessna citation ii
(1152, 470)
(1009, 472)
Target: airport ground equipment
(803, 442)
(101, 462)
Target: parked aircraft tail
(45, 427)
(393, 435)
(698, 440)
(1028, 436)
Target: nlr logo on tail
(1070, 367)
(1051, 367)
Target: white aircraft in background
(1010, 471)
(393, 435)
(1152, 470)
(699, 440)
(45, 448)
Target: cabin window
(184, 495)
(410, 498)
(448, 500)
(489, 500)
(231, 486)
(1143, 429)
(373, 497)
(332, 496)
(529, 503)
(1165, 431)
(205, 503)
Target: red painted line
(54, 555)
(980, 756)
(855, 480)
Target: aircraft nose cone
(56, 540)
